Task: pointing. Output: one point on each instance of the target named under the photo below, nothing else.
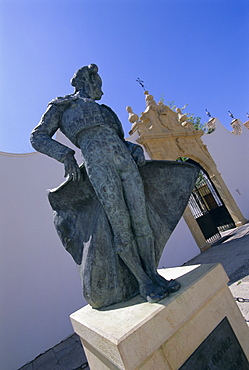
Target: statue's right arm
(41, 136)
(41, 140)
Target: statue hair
(83, 74)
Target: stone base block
(164, 335)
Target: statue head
(88, 81)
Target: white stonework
(137, 335)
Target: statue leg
(108, 187)
(135, 200)
(147, 255)
(147, 288)
(109, 168)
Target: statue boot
(147, 254)
(148, 289)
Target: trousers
(116, 180)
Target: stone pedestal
(164, 335)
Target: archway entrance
(208, 208)
(165, 136)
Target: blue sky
(189, 51)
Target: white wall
(40, 286)
(180, 248)
(231, 155)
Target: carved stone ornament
(237, 128)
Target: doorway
(208, 208)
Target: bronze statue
(101, 212)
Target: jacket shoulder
(111, 111)
(63, 100)
(108, 108)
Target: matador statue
(116, 211)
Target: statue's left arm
(137, 153)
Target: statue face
(94, 88)
(88, 81)
(91, 86)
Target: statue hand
(71, 168)
(138, 156)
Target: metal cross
(141, 83)
(230, 114)
(208, 113)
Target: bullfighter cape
(86, 233)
